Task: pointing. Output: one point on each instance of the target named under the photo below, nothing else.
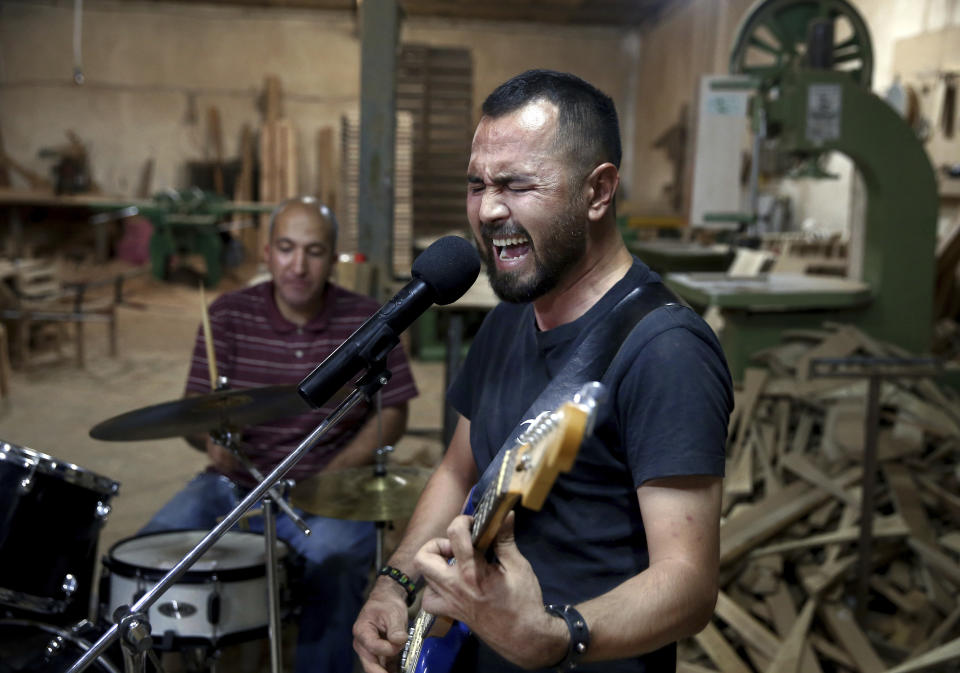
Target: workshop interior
(791, 169)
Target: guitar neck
(494, 505)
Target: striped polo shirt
(256, 346)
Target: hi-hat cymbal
(202, 413)
(358, 494)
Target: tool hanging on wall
(948, 111)
(77, 41)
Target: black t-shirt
(666, 415)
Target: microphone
(441, 274)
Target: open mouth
(511, 248)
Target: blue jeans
(338, 556)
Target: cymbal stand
(365, 387)
(380, 470)
(273, 499)
(228, 440)
(273, 583)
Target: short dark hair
(587, 126)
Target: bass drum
(222, 599)
(33, 647)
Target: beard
(559, 252)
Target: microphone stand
(131, 623)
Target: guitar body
(526, 475)
(439, 652)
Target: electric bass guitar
(526, 474)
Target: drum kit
(173, 590)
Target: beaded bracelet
(403, 580)
(579, 635)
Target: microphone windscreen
(449, 266)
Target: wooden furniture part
(39, 305)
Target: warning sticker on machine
(824, 103)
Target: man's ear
(603, 182)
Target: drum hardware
(229, 440)
(365, 387)
(34, 647)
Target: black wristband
(403, 580)
(579, 635)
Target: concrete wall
(153, 69)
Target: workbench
(15, 200)
(755, 310)
(672, 255)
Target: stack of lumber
(435, 85)
(791, 514)
(278, 154)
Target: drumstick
(208, 338)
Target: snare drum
(32, 647)
(51, 513)
(221, 600)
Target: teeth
(512, 240)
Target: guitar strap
(592, 357)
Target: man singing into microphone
(275, 333)
(622, 560)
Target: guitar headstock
(549, 446)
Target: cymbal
(200, 414)
(358, 494)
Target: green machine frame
(812, 111)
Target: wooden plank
(801, 436)
(687, 667)
(848, 517)
(782, 418)
(739, 479)
(801, 466)
(951, 541)
(817, 579)
(911, 603)
(937, 560)
(885, 527)
(942, 654)
(754, 379)
(720, 651)
(945, 627)
(784, 614)
(905, 497)
(840, 622)
(765, 446)
(950, 501)
(771, 515)
(907, 500)
(838, 345)
(787, 659)
(830, 650)
(753, 632)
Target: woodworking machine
(809, 64)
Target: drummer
(274, 333)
